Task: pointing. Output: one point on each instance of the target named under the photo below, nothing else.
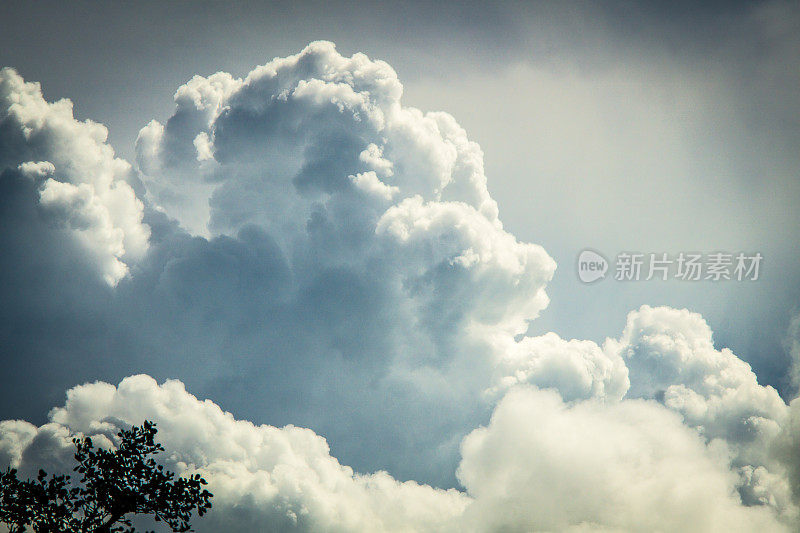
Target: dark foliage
(115, 485)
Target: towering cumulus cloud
(82, 187)
(317, 151)
(316, 257)
(381, 216)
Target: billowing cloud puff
(264, 478)
(543, 465)
(83, 187)
(577, 369)
(787, 444)
(317, 151)
(787, 447)
(671, 356)
(300, 133)
(369, 204)
(540, 465)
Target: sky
(332, 249)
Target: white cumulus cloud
(83, 185)
(539, 465)
(544, 465)
(671, 356)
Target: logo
(663, 266)
(591, 266)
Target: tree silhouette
(115, 485)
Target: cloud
(787, 447)
(787, 444)
(545, 465)
(671, 356)
(397, 265)
(540, 464)
(310, 252)
(305, 236)
(83, 187)
(289, 134)
(578, 370)
(82, 211)
(263, 477)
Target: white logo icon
(591, 266)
